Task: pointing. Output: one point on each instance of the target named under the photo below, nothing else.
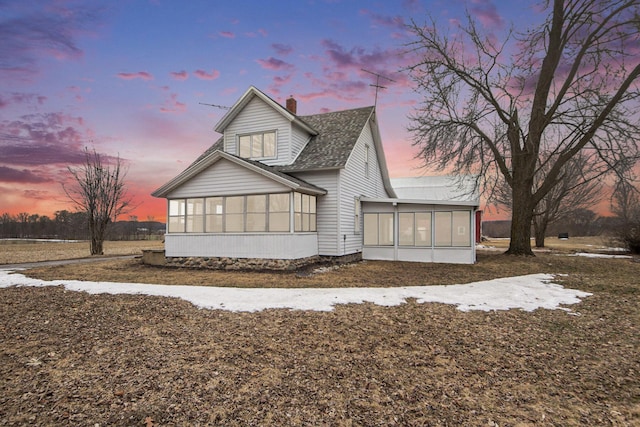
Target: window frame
(234, 214)
(256, 145)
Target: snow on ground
(590, 255)
(524, 292)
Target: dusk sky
(128, 78)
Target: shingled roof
(338, 132)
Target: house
(278, 190)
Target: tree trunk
(540, 231)
(521, 218)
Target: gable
(226, 178)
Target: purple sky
(129, 77)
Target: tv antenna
(222, 107)
(377, 85)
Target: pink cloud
(227, 34)
(179, 75)
(263, 32)
(172, 105)
(282, 49)
(9, 174)
(203, 75)
(274, 64)
(139, 75)
(30, 32)
(487, 14)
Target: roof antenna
(222, 107)
(377, 85)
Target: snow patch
(527, 293)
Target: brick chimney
(292, 105)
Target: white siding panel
(354, 183)
(245, 245)
(327, 210)
(226, 178)
(299, 140)
(257, 116)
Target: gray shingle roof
(338, 132)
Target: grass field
(71, 358)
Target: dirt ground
(70, 358)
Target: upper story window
(257, 145)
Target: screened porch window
(255, 213)
(378, 229)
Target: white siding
(299, 139)
(257, 116)
(245, 245)
(226, 178)
(353, 183)
(327, 210)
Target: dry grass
(70, 358)
(15, 253)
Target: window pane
(176, 207)
(297, 202)
(235, 204)
(195, 206)
(297, 221)
(443, 228)
(306, 203)
(405, 224)
(370, 229)
(423, 229)
(461, 233)
(214, 223)
(256, 222)
(385, 221)
(269, 144)
(195, 223)
(245, 146)
(312, 204)
(214, 205)
(234, 223)
(279, 202)
(279, 221)
(257, 204)
(176, 224)
(305, 222)
(312, 222)
(256, 145)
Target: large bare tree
(574, 193)
(518, 106)
(99, 190)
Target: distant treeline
(583, 223)
(74, 226)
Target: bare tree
(625, 204)
(518, 107)
(574, 192)
(99, 190)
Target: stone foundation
(225, 263)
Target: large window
(257, 145)
(238, 214)
(304, 212)
(195, 215)
(234, 214)
(177, 210)
(279, 208)
(378, 229)
(419, 229)
(257, 213)
(453, 228)
(214, 214)
(414, 228)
